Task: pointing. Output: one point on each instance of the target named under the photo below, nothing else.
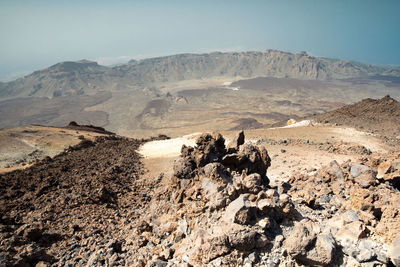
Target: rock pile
(219, 210)
(359, 204)
(89, 206)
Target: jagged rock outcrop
(211, 149)
(218, 209)
(220, 203)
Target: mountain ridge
(186, 93)
(88, 77)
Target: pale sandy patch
(167, 148)
(29, 143)
(365, 139)
(299, 124)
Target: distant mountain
(270, 63)
(188, 93)
(86, 77)
(66, 78)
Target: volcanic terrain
(186, 93)
(319, 193)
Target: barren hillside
(315, 195)
(86, 77)
(374, 115)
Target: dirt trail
(167, 148)
(299, 149)
(307, 148)
(365, 139)
(380, 116)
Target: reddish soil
(378, 116)
(58, 208)
(91, 204)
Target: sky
(36, 34)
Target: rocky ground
(313, 196)
(380, 116)
(20, 147)
(93, 206)
(64, 209)
(227, 213)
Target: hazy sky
(37, 34)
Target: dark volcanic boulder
(210, 149)
(249, 159)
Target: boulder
(236, 142)
(383, 169)
(306, 245)
(252, 183)
(249, 159)
(276, 207)
(351, 232)
(366, 178)
(211, 157)
(394, 251)
(366, 255)
(217, 172)
(243, 239)
(363, 175)
(323, 252)
(237, 206)
(300, 238)
(183, 168)
(209, 149)
(207, 142)
(246, 215)
(390, 171)
(357, 169)
(335, 171)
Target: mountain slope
(376, 115)
(85, 77)
(270, 63)
(66, 78)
